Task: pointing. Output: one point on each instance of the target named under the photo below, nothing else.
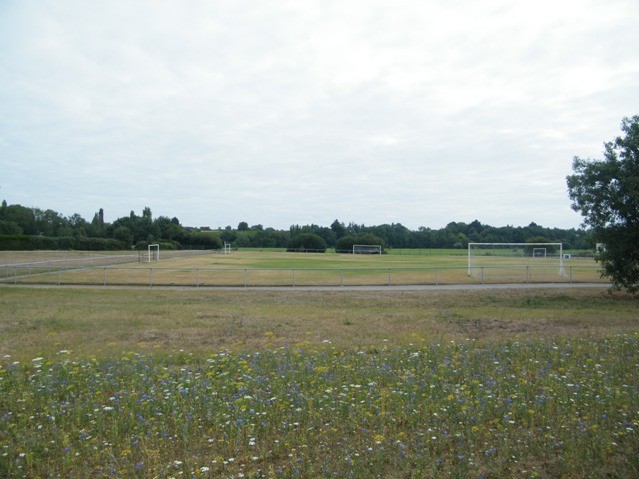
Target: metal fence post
(105, 283)
(341, 277)
(197, 278)
(293, 277)
(389, 276)
(245, 278)
(150, 277)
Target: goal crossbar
(534, 247)
(154, 252)
(367, 249)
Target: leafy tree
(77, 225)
(205, 240)
(345, 244)
(228, 235)
(169, 229)
(9, 228)
(123, 234)
(338, 228)
(22, 216)
(606, 193)
(307, 242)
(540, 239)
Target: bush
(81, 243)
(15, 243)
(164, 245)
(98, 244)
(204, 240)
(307, 243)
(345, 244)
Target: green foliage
(10, 228)
(345, 244)
(550, 249)
(82, 243)
(327, 234)
(338, 228)
(164, 245)
(606, 193)
(307, 242)
(15, 243)
(16, 219)
(204, 240)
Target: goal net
(367, 249)
(515, 259)
(154, 252)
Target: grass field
(296, 383)
(277, 268)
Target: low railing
(295, 277)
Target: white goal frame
(154, 255)
(535, 247)
(543, 252)
(367, 249)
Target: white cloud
(282, 112)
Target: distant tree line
(32, 228)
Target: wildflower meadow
(533, 408)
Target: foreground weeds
(519, 409)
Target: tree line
(33, 228)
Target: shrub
(15, 243)
(345, 244)
(307, 243)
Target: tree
(307, 242)
(122, 233)
(606, 192)
(338, 228)
(345, 244)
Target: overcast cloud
(417, 112)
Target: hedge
(81, 243)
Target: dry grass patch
(39, 320)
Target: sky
(282, 112)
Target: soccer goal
(154, 252)
(367, 249)
(513, 258)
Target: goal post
(367, 249)
(539, 252)
(494, 255)
(154, 252)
